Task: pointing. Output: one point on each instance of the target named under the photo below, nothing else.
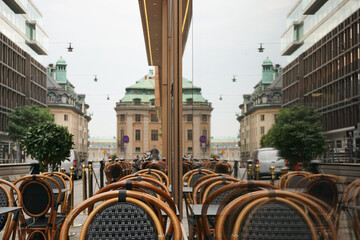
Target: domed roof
(267, 61)
(61, 61)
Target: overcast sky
(108, 41)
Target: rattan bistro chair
(351, 198)
(7, 199)
(39, 205)
(150, 171)
(149, 179)
(65, 183)
(114, 171)
(122, 215)
(274, 214)
(224, 196)
(142, 186)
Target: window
(137, 149)
(204, 118)
(122, 118)
(137, 117)
(122, 149)
(262, 130)
(136, 101)
(262, 117)
(66, 117)
(154, 118)
(204, 132)
(298, 31)
(122, 134)
(30, 31)
(189, 135)
(154, 135)
(189, 149)
(189, 117)
(137, 135)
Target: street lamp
(261, 49)
(70, 48)
(234, 78)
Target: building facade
(138, 118)
(67, 107)
(259, 109)
(101, 148)
(22, 77)
(322, 43)
(226, 148)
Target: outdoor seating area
(140, 205)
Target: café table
(196, 214)
(4, 210)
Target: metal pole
(272, 171)
(257, 172)
(102, 166)
(90, 179)
(236, 168)
(249, 171)
(284, 170)
(84, 186)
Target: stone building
(226, 148)
(67, 107)
(101, 148)
(22, 77)
(259, 109)
(138, 118)
(322, 42)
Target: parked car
(73, 161)
(267, 157)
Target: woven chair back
(4, 202)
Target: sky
(108, 41)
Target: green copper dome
(267, 61)
(144, 89)
(61, 61)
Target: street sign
(125, 139)
(203, 139)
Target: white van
(73, 161)
(267, 157)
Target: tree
(22, 118)
(49, 144)
(297, 134)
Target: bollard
(102, 166)
(273, 175)
(72, 199)
(63, 170)
(284, 170)
(257, 172)
(90, 179)
(84, 186)
(249, 171)
(236, 168)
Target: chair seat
(43, 222)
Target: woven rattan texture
(35, 198)
(37, 236)
(274, 220)
(294, 180)
(53, 186)
(122, 221)
(325, 191)
(195, 177)
(115, 171)
(4, 202)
